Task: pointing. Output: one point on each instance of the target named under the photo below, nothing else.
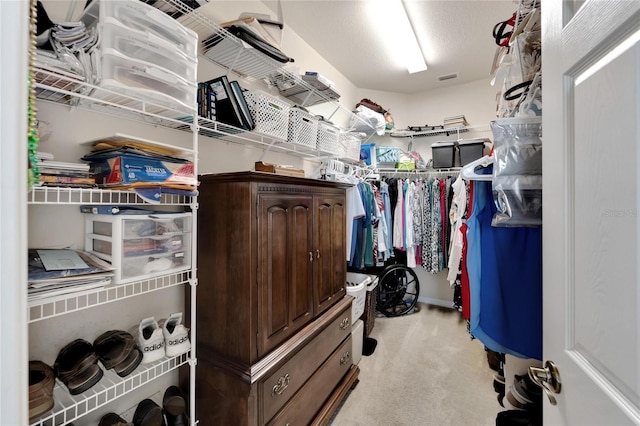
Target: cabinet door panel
(285, 298)
(330, 263)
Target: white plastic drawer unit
(140, 246)
(146, 80)
(143, 17)
(147, 46)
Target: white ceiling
(455, 36)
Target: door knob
(548, 378)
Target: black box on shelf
(443, 154)
(470, 150)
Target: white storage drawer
(146, 81)
(146, 46)
(143, 17)
(140, 246)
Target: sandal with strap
(117, 349)
(76, 366)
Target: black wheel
(398, 290)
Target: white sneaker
(150, 340)
(176, 335)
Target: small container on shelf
(328, 138)
(140, 246)
(137, 15)
(350, 146)
(470, 149)
(270, 114)
(144, 80)
(443, 154)
(148, 47)
(303, 129)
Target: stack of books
(455, 121)
(223, 101)
(58, 173)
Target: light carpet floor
(425, 371)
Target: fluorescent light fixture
(392, 21)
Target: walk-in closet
(316, 212)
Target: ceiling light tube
(398, 33)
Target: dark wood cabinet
(273, 315)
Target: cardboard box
(131, 168)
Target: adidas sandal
(117, 349)
(76, 366)
(148, 413)
(41, 381)
(176, 335)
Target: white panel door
(591, 231)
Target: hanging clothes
(456, 214)
(505, 276)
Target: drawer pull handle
(317, 254)
(281, 385)
(344, 324)
(310, 256)
(345, 358)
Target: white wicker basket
(270, 114)
(349, 146)
(328, 138)
(303, 129)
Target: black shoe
(112, 419)
(175, 407)
(148, 413)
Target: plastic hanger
(468, 172)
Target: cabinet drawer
(306, 403)
(282, 384)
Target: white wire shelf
(229, 51)
(452, 131)
(69, 407)
(40, 310)
(65, 196)
(72, 91)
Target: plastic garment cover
(517, 171)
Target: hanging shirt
(408, 226)
(355, 209)
(456, 214)
(486, 305)
(386, 228)
(398, 222)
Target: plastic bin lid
(473, 141)
(442, 144)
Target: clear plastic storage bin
(145, 81)
(143, 17)
(140, 246)
(147, 46)
(350, 146)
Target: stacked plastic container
(144, 53)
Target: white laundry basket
(357, 287)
